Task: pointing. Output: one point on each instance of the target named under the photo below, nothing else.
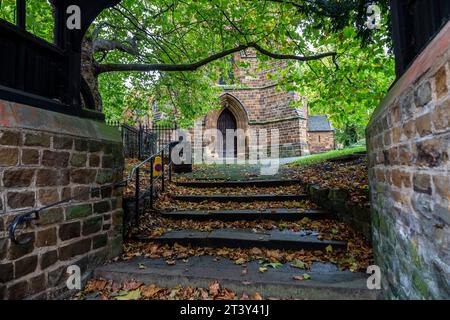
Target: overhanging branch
(117, 67)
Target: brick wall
(408, 142)
(320, 141)
(46, 157)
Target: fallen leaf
(129, 295)
(214, 288)
(150, 291)
(262, 269)
(256, 296)
(298, 264)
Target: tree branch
(111, 67)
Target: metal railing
(141, 141)
(152, 191)
(134, 173)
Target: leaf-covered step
(243, 238)
(234, 215)
(324, 281)
(238, 183)
(241, 198)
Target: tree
(171, 52)
(182, 46)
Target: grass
(315, 158)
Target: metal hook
(18, 221)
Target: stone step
(244, 238)
(326, 281)
(241, 198)
(237, 183)
(235, 215)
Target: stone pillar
(46, 157)
(408, 140)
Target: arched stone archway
(235, 107)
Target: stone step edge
(233, 215)
(311, 289)
(242, 239)
(236, 183)
(241, 198)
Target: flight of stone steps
(326, 280)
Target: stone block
(81, 145)
(78, 211)
(94, 160)
(83, 176)
(102, 206)
(440, 116)
(8, 157)
(99, 241)
(48, 259)
(74, 249)
(48, 196)
(18, 200)
(441, 83)
(69, 230)
(51, 215)
(442, 186)
(92, 225)
(423, 125)
(38, 283)
(16, 251)
(55, 159)
(10, 138)
(104, 176)
(78, 160)
(46, 237)
(423, 94)
(30, 157)
(37, 140)
(50, 178)
(422, 183)
(430, 153)
(6, 272)
(18, 178)
(18, 291)
(62, 143)
(25, 266)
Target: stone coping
(437, 49)
(20, 116)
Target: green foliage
(180, 32)
(183, 32)
(39, 17)
(8, 10)
(350, 88)
(315, 158)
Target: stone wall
(320, 141)
(408, 141)
(46, 157)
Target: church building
(256, 102)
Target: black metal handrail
(34, 214)
(135, 171)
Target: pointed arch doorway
(227, 121)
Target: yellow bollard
(157, 166)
